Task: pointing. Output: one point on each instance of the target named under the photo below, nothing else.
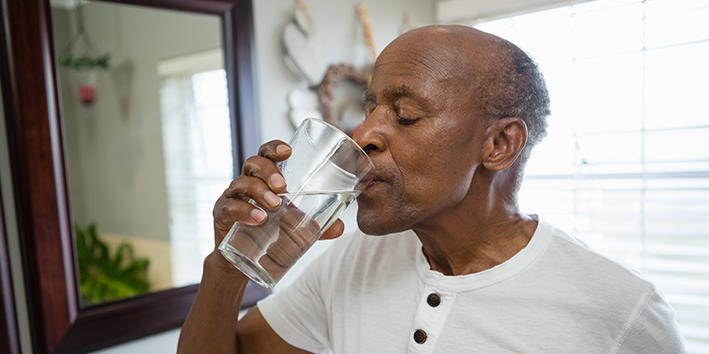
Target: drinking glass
(326, 171)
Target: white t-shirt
(370, 294)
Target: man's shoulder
(592, 268)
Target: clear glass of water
(326, 171)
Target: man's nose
(371, 134)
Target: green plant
(105, 277)
(84, 61)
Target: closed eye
(406, 121)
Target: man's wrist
(218, 267)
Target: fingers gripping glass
(326, 171)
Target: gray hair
(514, 87)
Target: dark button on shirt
(420, 336)
(433, 300)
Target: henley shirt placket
(431, 315)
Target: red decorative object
(86, 64)
(87, 93)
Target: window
(625, 165)
(198, 155)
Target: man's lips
(378, 176)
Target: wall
(13, 242)
(338, 29)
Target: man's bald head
(449, 111)
(496, 77)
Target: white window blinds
(198, 164)
(625, 166)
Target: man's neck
(473, 246)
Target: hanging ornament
(86, 65)
(363, 13)
(87, 87)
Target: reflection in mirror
(148, 147)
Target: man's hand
(211, 326)
(261, 181)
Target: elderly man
(452, 114)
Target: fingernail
(277, 181)
(282, 148)
(272, 199)
(258, 215)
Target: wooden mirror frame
(58, 323)
(9, 339)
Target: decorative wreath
(326, 91)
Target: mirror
(43, 170)
(148, 148)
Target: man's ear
(504, 140)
